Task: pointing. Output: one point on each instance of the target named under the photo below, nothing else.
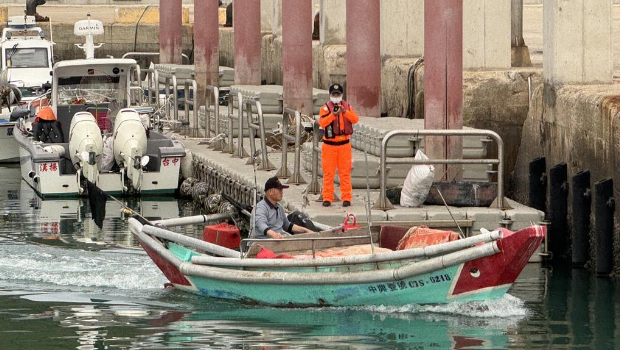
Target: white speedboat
(27, 58)
(100, 132)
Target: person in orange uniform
(337, 118)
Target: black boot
(327, 203)
(346, 204)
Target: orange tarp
(422, 236)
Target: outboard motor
(85, 145)
(130, 146)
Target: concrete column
(170, 31)
(364, 56)
(402, 38)
(277, 18)
(443, 78)
(520, 51)
(206, 46)
(577, 41)
(333, 22)
(486, 34)
(297, 55)
(268, 20)
(246, 22)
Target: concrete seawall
(578, 125)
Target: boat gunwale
(405, 271)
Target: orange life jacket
(340, 125)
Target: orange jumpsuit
(337, 157)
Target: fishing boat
(296, 272)
(27, 59)
(97, 131)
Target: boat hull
(431, 288)
(51, 183)
(484, 278)
(9, 152)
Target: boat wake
(71, 267)
(508, 307)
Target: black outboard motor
(300, 219)
(17, 114)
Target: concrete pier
(297, 55)
(363, 86)
(247, 39)
(206, 46)
(170, 31)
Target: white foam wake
(71, 267)
(508, 308)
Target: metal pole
(231, 147)
(175, 97)
(368, 209)
(284, 173)
(315, 186)
(297, 178)
(517, 23)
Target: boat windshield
(26, 58)
(89, 89)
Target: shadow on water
(66, 284)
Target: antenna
(88, 28)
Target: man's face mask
(335, 99)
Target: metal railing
(254, 127)
(315, 186)
(194, 125)
(213, 105)
(284, 173)
(384, 203)
(238, 152)
(245, 242)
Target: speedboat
(27, 59)
(96, 131)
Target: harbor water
(65, 284)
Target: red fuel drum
(224, 235)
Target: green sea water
(65, 284)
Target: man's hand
(274, 234)
(338, 109)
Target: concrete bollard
(558, 210)
(581, 210)
(604, 225)
(538, 184)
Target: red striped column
(297, 54)
(206, 46)
(364, 56)
(246, 22)
(170, 31)
(443, 78)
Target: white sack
(418, 183)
